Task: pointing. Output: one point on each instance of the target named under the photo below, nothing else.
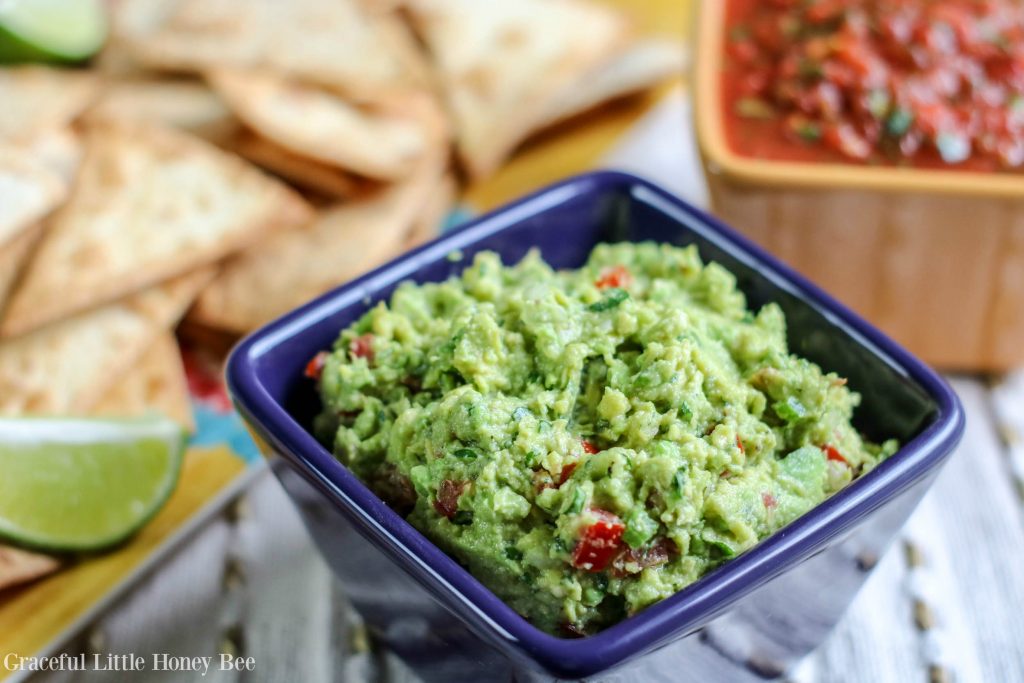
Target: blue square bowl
(751, 618)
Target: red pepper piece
(833, 454)
(589, 447)
(616, 276)
(362, 347)
(567, 471)
(600, 542)
(315, 367)
(739, 445)
(448, 497)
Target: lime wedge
(80, 484)
(51, 30)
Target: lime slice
(51, 30)
(80, 484)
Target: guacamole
(587, 442)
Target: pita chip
(59, 149)
(291, 268)
(65, 368)
(130, 18)
(314, 176)
(374, 141)
(186, 104)
(432, 216)
(640, 66)
(19, 566)
(156, 383)
(13, 254)
(149, 204)
(338, 43)
(39, 98)
(28, 191)
(287, 270)
(500, 63)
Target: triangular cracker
(434, 213)
(28, 191)
(314, 176)
(19, 566)
(291, 268)
(150, 203)
(130, 18)
(156, 383)
(337, 43)
(66, 367)
(38, 98)
(640, 66)
(375, 141)
(501, 62)
(186, 104)
(13, 255)
(59, 149)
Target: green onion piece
(754, 108)
(679, 483)
(790, 410)
(613, 298)
(720, 548)
(811, 69)
(579, 498)
(809, 131)
(465, 454)
(899, 122)
(878, 103)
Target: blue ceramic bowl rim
(677, 615)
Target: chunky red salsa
(927, 83)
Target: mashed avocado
(588, 442)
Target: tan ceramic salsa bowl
(935, 258)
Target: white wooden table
(946, 603)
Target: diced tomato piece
(566, 473)
(833, 454)
(362, 347)
(315, 366)
(769, 500)
(744, 51)
(616, 276)
(825, 10)
(448, 495)
(589, 447)
(845, 139)
(600, 542)
(653, 555)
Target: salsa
(924, 83)
(587, 442)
